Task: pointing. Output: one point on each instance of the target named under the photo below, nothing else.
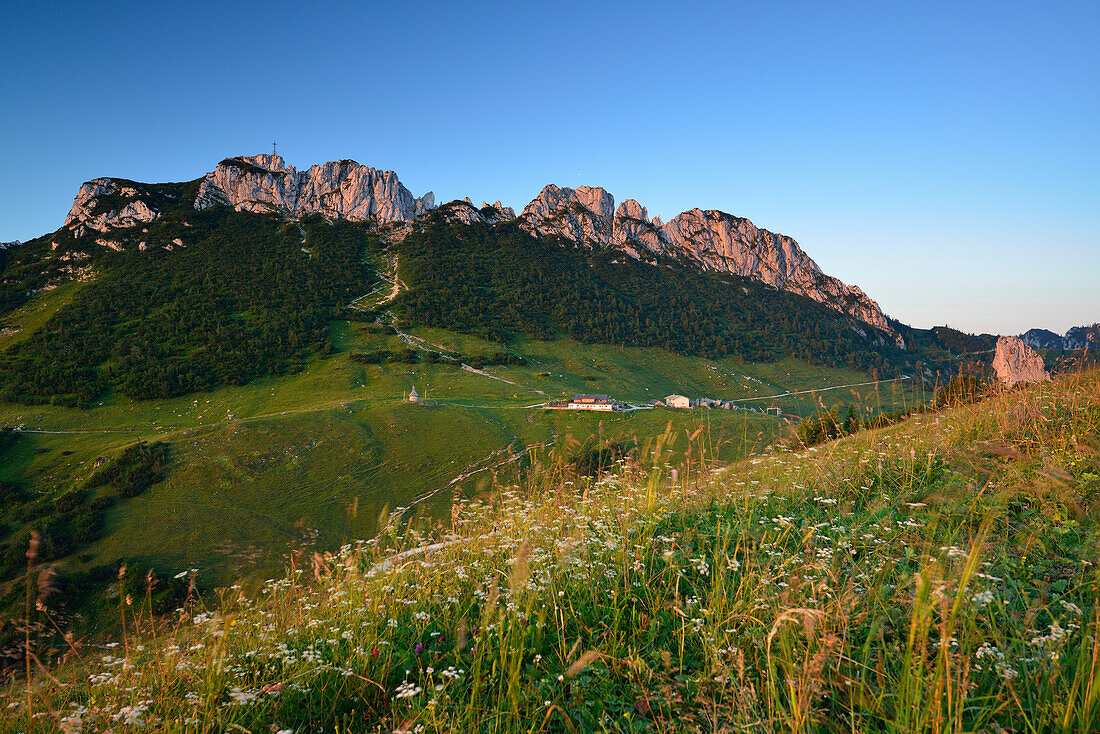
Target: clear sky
(944, 156)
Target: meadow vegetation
(935, 575)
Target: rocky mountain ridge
(709, 240)
(337, 189)
(1078, 337)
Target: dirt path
(816, 389)
(471, 470)
(389, 278)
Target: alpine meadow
(316, 450)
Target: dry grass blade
(581, 663)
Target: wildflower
(983, 597)
(73, 723)
(407, 689)
(1070, 606)
(418, 649)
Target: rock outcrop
(460, 212)
(88, 210)
(583, 215)
(705, 239)
(497, 212)
(635, 234)
(337, 189)
(1016, 362)
(709, 240)
(463, 211)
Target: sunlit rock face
(88, 212)
(337, 189)
(460, 212)
(583, 215)
(707, 239)
(497, 212)
(1016, 362)
(714, 240)
(463, 211)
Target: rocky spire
(583, 215)
(337, 189)
(1016, 362)
(708, 239)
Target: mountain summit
(708, 240)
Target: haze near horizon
(940, 157)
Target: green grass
(27, 319)
(259, 470)
(935, 576)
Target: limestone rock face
(583, 215)
(86, 212)
(1083, 337)
(709, 240)
(1016, 362)
(463, 211)
(718, 241)
(337, 189)
(425, 203)
(632, 232)
(460, 212)
(497, 212)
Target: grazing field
(318, 457)
(938, 575)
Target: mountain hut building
(592, 402)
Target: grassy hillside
(243, 296)
(939, 575)
(255, 470)
(216, 334)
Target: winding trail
(817, 389)
(466, 474)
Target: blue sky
(942, 156)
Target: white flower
(408, 689)
(983, 597)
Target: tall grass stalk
(938, 575)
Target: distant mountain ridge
(709, 240)
(1078, 337)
